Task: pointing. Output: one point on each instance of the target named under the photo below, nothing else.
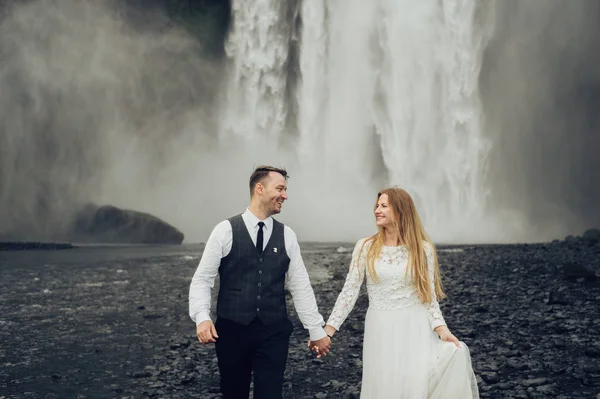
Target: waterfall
(313, 53)
(388, 96)
(427, 110)
(350, 96)
(258, 45)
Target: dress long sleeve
(347, 298)
(435, 314)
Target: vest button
(258, 297)
(260, 272)
(261, 259)
(259, 284)
(258, 309)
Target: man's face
(274, 192)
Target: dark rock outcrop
(592, 235)
(109, 224)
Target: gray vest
(252, 285)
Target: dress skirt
(404, 358)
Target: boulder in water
(109, 224)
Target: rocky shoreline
(529, 314)
(33, 245)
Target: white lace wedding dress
(402, 355)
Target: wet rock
(351, 394)
(592, 235)
(503, 386)
(142, 374)
(574, 271)
(490, 377)
(545, 389)
(534, 382)
(109, 224)
(556, 297)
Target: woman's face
(384, 215)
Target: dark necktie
(259, 238)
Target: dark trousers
(258, 348)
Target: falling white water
(258, 45)
(313, 67)
(349, 95)
(427, 109)
(388, 96)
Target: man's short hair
(261, 172)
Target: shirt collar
(252, 220)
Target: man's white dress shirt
(297, 281)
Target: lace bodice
(394, 290)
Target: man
(255, 257)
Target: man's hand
(206, 332)
(320, 347)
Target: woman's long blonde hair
(410, 231)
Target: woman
(408, 350)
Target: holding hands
(322, 346)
